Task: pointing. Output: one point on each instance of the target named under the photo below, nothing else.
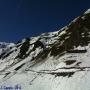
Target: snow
(51, 73)
(34, 39)
(80, 48)
(83, 17)
(38, 76)
(67, 37)
(64, 28)
(34, 81)
(88, 11)
(75, 19)
(11, 45)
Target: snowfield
(57, 60)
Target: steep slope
(52, 61)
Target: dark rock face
(38, 44)
(23, 49)
(63, 74)
(78, 33)
(69, 62)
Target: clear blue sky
(26, 18)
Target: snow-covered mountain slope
(57, 60)
(4, 47)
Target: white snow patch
(88, 11)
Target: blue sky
(27, 18)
